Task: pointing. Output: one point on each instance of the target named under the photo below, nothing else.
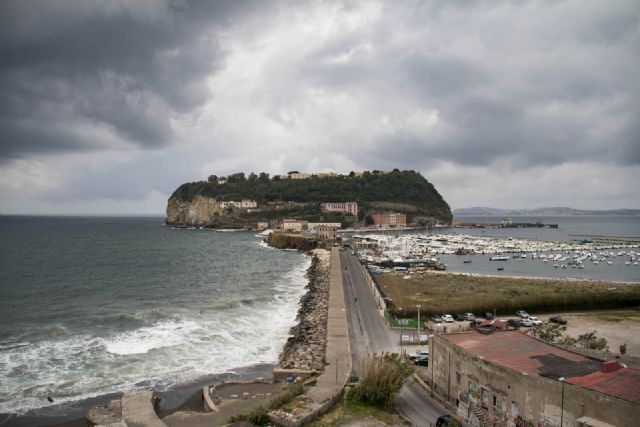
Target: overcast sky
(108, 106)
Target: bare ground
(617, 327)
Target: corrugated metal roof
(623, 383)
(523, 353)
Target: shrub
(382, 378)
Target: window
(495, 401)
(458, 378)
(485, 394)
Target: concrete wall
(477, 389)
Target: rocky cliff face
(199, 212)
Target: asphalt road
(370, 334)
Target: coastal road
(369, 334)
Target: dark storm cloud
(79, 75)
(539, 83)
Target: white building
(349, 208)
(293, 225)
(312, 225)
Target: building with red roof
(508, 378)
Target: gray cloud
(121, 69)
(181, 89)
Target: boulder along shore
(305, 349)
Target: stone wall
(305, 349)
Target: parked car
(486, 329)
(447, 318)
(514, 323)
(443, 421)
(469, 316)
(535, 321)
(522, 314)
(475, 323)
(558, 319)
(489, 316)
(526, 323)
(437, 319)
(418, 354)
(460, 317)
(422, 361)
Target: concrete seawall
(330, 384)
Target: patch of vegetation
(344, 413)
(258, 416)
(617, 316)
(381, 379)
(407, 191)
(454, 293)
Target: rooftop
(523, 353)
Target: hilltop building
(299, 175)
(389, 220)
(508, 378)
(348, 208)
(327, 175)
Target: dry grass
(453, 293)
(615, 316)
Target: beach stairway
(135, 409)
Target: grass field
(454, 293)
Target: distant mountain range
(552, 211)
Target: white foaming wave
(174, 352)
(145, 339)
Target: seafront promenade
(330, 384)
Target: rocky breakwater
(283, 240)
(199, 212)
(305, 349)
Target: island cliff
(243, 202)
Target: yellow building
(324, 232)
(389, 220)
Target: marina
(610, 260)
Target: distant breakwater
(305, 349)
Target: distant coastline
(545, 211)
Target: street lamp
(562, 379)
(418, 305)
(402, 318)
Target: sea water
(569, 229)
(90, 306)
